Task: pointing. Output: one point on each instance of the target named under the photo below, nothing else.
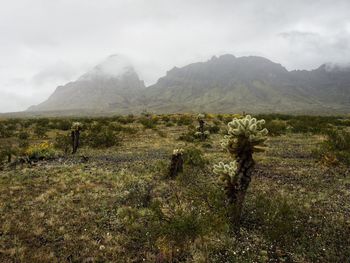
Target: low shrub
(7, 151)
(277, 216)
(41, 151)
(194, 157)
(188, 136)
(6, 131)
(336, 147)
(63, 142)
(184, 120)
(64, 125)
(276, 127)
(148, 122)
(40, 131)
(104, 137)
(23, 135)
(214, 129)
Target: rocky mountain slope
(221, 84)
(113, 83)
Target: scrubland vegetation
(116, 199)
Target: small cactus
(75, 134)
(177, 162)
(201, 133)
(245, 136)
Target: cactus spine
(75, 134)
(245, 136)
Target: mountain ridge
(221, 84)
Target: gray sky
(46, 43)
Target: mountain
(113, 83)
(221, 84)
(251, 84)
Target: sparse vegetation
(111, 202)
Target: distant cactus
(201, 133)
(75, 133)
(245, 136)
(177, 162)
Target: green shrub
(125, 129)
(194, 157)
(5, 131)
(337, 144)
(137, 193)
(23, 135)
(214, 129)
(23, 144)
(40, 131)
(8, 150)
(40, 151)
(276, 127)
(175, 230)
(103, 137)
(126, 119)
(278, 218)
(63, 142)
(148, 122)
(188, 136)
(184, 120)
(64, 125)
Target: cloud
(47, 43)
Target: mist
(44, 44)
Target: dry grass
(71, 210)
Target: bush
(23, 144)
(103, 137)
(64, 125)
(194, 157)
(23, 135)
(5, 131)
(121, 128)
(7, 150)
(214, 129)
(40, 131)
(126, 119)
(276, 127)
(41, 151)
(187, 137)
(148, 122)
(174, 231)
(278, 218)
(63, 142)
(335, 147)
(184, 120)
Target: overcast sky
(46, 43)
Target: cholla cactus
(76, 126)
(177, 162)
(201, 132)
(245, 136)
(75, 134)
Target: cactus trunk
(176, 165)
(237, 192)
(75, 140)
(201, 129)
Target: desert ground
(113, 200)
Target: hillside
(221, 84)
(112, 83)
(254, 84)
